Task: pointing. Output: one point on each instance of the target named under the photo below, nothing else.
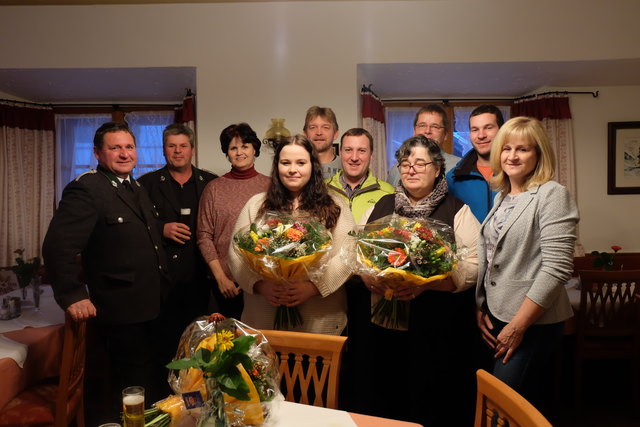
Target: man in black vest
(107, 218)
(175, 191)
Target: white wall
(605, 219)
(256, 61)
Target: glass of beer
(133, 406)
(185, 216)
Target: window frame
(448, 106)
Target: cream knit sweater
(325, 313)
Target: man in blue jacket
(469, 180)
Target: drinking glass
(185, 216)
(35, 284)
(133, 406)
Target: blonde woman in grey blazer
(525, 256)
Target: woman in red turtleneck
(221, 202)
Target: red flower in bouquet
(282, 248)
(398, 251)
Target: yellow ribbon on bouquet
(289, 270)
(402, 277)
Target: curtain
(74, 146)
(186, 113)
(555, 115)
(373, 121)
(27, 184)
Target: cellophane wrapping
(264, 377)
(285, 248)
(396, 251)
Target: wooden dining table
(37, 332)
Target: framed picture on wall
(623, 174)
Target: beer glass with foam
(133, 406)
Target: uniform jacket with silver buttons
(533, 255)
(116, 233)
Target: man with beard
(321, 128)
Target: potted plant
(25, 271)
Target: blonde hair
(530, 130)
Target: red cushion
(33, 407)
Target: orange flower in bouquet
(284, 248)
(397, 251)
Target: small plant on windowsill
(604, 260)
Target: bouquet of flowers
(284, 248)
(397, 251)
(224, 374)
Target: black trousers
(134, 354)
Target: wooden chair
(309, 366)
(500, 405)
(608, 322)
(55, 404)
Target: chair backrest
(309, 366)
(609, 302)
(69, 401)
(500, 405)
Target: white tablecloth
(13, 350)
(298, 415)
(50, 313)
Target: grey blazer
(533, 255)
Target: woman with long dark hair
(297, 185)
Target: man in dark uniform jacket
(108, 218)
(175, 190)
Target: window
(74, 142)
(399, 124)
(461, 142)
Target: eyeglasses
(417, 166)
(431, 127)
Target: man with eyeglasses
(432, 122)
(321, 128)
(355, 182)
(469, 179)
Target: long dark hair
(314, 197)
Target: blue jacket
(467, 184)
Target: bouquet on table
(284, 248)
(396, 251)
(224, 374)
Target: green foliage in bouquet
(284, 238)
(410, 245)
(220, 363)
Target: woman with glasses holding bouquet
(424, 374)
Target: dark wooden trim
(613, 128)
